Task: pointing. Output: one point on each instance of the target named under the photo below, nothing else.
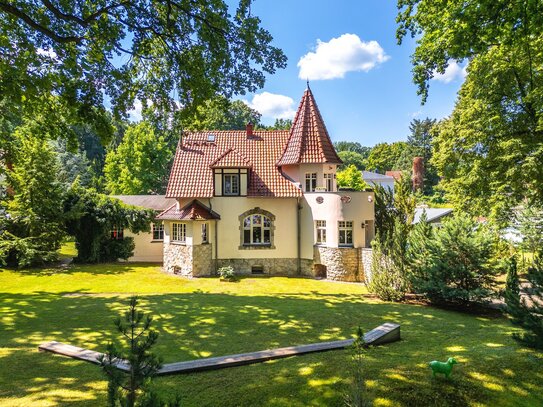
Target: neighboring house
(434, 216)
(265, 202)
(396, 174)
(148, 246)
(374, 178)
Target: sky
(360, 77)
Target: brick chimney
(418, 173)
(249, 129)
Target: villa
(263, 202)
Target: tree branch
(63, 16)
(103, 10)
(9, 9)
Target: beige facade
(146, 249)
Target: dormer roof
(308, 142)
(231, 159)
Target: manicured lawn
(204, 317)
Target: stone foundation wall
(343, 263)
(178, 259)
(282, 267)
(203, 264)
(366, 257)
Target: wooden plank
(385, 333)
(77, 353)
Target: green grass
(204, 317)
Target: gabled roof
(194, 210)
(374, 176)
(192, 177)
(231, 159)
(432, 214)
(156, 202)
(308, 141)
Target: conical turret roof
(308, 142)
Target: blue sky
(374, 100)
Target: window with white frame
(179, 232)
(257, 230)
(158, 230)
(320, 227)
(117, 233)
(204, 233)
(345, 233)
(329, 182)
(231, 184)
(310, 181)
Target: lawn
(204, 317)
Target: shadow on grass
(73, 268)
(200, 324)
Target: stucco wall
(146, 249)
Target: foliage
(140, 164)
(459, 262)
(356, 396)
(394, 214)
(91, 217)
(125, 388)
(489, 149)
(72, 166)
(351, 178)
(530, 226)
(163, 49)
(418, 254)
(353, 147)
(279, 124)
(351, 158)
(420, 145)
(527, 311)
(385, 157)
(220, 113)
(227, 273)
(31, 230)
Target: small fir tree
(143, 365)
(527, 312)
(356, 395)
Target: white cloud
(273, 105)
(333, 59)
(453, 72)
(135, 114)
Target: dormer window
(231, 181)
(230, 184)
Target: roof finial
(307, 83)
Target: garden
(199, 318)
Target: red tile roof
(194, 210)
(308, 141)
(192, 175)
(231, 159)
(396, 174)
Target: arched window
(257, 228)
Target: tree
(91, 217)
(394, 214)
(280, 124)
(31, 229)
(459, 263)
(192, 51)
(352, 146)
(420, 145)
(385, 157)
(489, 149)
(220, 113)
(143, 365)
(530, 225)
(351, 158)
(140, 164)
(351, 178)
(526, 312)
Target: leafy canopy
(351, 178)
(163, 53)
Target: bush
(456, 263)
(227, 273)
(387, 278)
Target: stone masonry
(188, 261)
(282, 267)
(343, 263)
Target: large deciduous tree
(160, 52)
(140, 164)
(491, 148)
(384, 157)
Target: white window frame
(320, 229)
(329, 182)
(310, 181)
(157, 227)
(179, 232)
(345, 226)
(234, 189)
(252, 226)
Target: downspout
(298, 236)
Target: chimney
(249, 129)
(418, 174)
